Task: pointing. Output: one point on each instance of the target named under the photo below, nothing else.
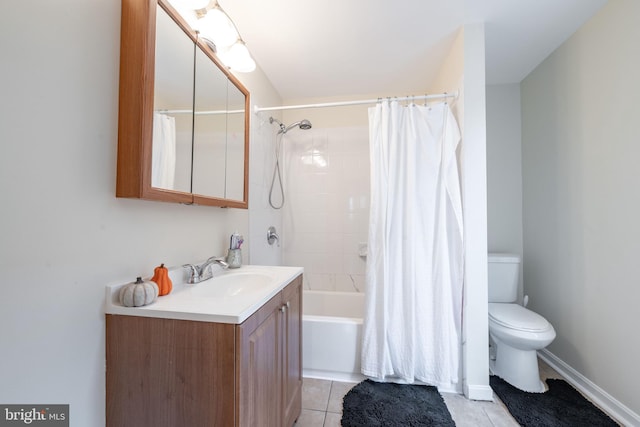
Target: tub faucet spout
(200, 273)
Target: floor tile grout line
(326, 407)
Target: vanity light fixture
(215, 25)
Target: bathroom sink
(232, 284)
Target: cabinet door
(260, 367)
(167, 372)
(292, 345)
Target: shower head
(302, 124)
(305, 124)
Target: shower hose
(276, 172)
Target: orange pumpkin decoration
(161, 277)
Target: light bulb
(217, 27)
(238, 58)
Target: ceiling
(333, 48)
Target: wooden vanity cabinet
(167, 372)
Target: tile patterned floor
(322, 405)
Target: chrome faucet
(199, 273)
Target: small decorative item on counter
(137, 294)
(161, 278)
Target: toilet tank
(503, 277)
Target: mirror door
(236, 175)
(172, 107)
(210, 128)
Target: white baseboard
(333, 376)
(604, 400)
(478, 392)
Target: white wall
(504, 170)
(463, 70)
(64, 235)
(474, 196)
(262, 158)
(580, 151)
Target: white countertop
(211, 300)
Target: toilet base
(517, 367)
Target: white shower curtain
(415, 261)
(163, 155)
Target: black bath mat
(560, 406)
(373, 404)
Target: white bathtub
(332, 334)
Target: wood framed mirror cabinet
(183, 120)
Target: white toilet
(515, 332)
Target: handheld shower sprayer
(302, 124)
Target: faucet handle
(272, 236)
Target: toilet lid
(515, 316)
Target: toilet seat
(514, 316)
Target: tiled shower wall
(326, 213)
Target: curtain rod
(199, 113)
(361, 102)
